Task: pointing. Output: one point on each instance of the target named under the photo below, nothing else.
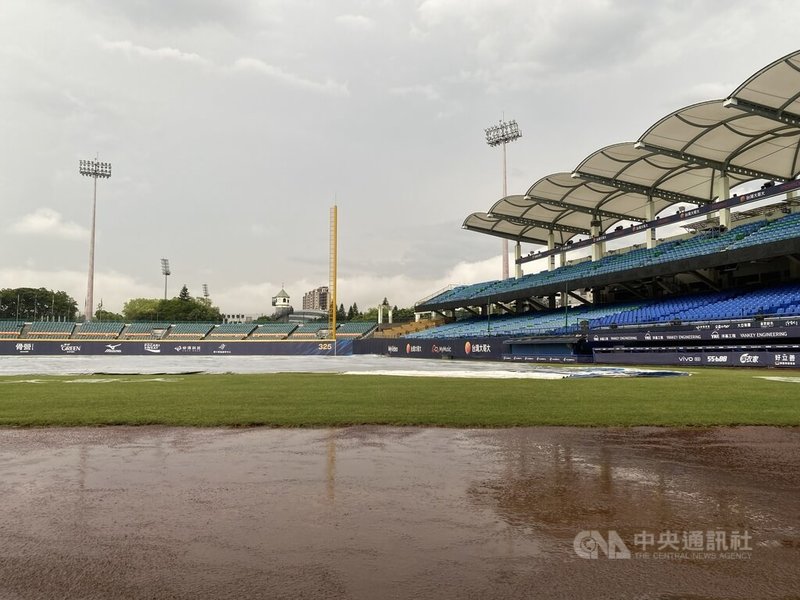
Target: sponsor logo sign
(221, 349)
(716, 358)
(113, 349)
(24, 347)
(152, 348)
(70, 348)
(748, 359)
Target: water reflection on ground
(370, 512)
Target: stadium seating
(700, 244)
(51, 329)
(309, 331)
(355, 329)
(232, 331)
(273, 331)
(774, 301)
(145, 330)
(98, 329)
(189, 331)
(10, 329)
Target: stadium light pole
(166, 273)
(95, 170)
(500, 135)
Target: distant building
(316, 299)
(282, 304)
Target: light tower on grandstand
(500, 135)
(95, 170)
(166, 273)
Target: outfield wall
(788, 358)
(28, 346)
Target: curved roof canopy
(513, 230)
(754, 134)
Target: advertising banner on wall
(28, 346)
(719, 358)
(481, 348)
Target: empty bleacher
(309, 331)
(99, 329)
(50, 329)
(355, 329)
(231, 331)
(144, 330)
(189, 331)
(776, 301)
(701, 244)
(273, 331)
(10, 329)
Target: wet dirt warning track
(369, 512)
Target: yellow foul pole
(332, 274)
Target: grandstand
(10, 329)
(141, 331)
(310, 331)
(231, 331)
(704, 215)
(99, 329)
(50, 330)
(355, 329)
(273, 331)
(189, 331)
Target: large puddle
(356, 364)
(372, 512)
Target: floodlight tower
(497, 135)
(166, 273)
(206, 294)
(95, 170)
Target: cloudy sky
(233, 126)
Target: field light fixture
(166, 273)
(94, 169)
(504, 132)
(499, 135)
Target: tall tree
(184, 295)
(37, 304)
(341, 314)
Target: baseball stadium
(679, 248)
(628, 392)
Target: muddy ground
(368, 512)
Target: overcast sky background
(233, 126)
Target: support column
(390, 316)
(722, 190)
(551, 244)
(792, 195)
(380, 314)
(517, 256)
(651, 216)
(598, 248)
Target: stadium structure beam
(585, 209)
(707, 162)
(705, 280)
(507, 236)
(635, 188)
(773, 114)
(543, 224)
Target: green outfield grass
(708, 397)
